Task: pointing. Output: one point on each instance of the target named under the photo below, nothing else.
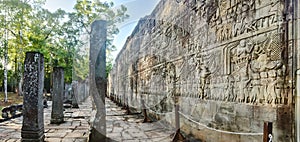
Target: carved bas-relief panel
(258, 69)
(228, 61)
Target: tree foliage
(61, 36)
(87, 11)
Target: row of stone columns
(33, 117)
(33, 113)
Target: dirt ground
(13, 98)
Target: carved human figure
(280, 84)
(279, 89)
(243, 89)
(266, 68)
(223, 7)
(212, 92)
(229, 91)
(229, 94)
(271, 95)
(263, 88)
(207, 91)
(223, 87)
(165, 42)
(204, 73)
(243, 84)
(244, 48)
(219, 34)
(256, 52)
(255, 93)
(201, 8)
(264, 64)
(274, 90)
(236, 90)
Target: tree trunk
(5, 65)
(20, 90)
(20, 80)
(5, 58)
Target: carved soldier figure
(255, 93)
(229, 94)
(279, 88)
(274, 89)
(243, 89)
(204, 73)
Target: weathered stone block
(229, 138)
(264, 113)
(243, 124)
(245, 138)
(256, 125)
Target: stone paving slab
(76, 128)
(129, 128)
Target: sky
(135, 8)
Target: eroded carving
(222, 50)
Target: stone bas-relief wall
(228, 60)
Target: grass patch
(13, 98)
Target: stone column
(75, 95)
(33, 117)
(297, 108)
(57, 114)
(295, 39)
(97, 77)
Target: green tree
(26, 26)
(29, 28)
(86, 11)
(11, 15)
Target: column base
(32, 136)
(57, 121)
(96, 136)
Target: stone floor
(120, 127)
(128, 128)
(74, 129)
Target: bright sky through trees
(136, 10)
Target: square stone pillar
(33, 108)
(57, 114)
(75, 95)
(97, 78)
